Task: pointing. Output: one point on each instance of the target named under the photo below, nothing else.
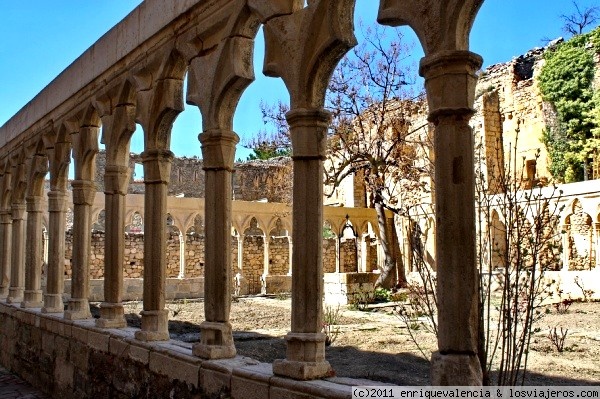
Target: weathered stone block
(174, 368)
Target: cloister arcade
(135, 74)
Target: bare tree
(379, 133)
(576, 22)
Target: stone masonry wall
(252, 266)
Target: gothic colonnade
(137, 77)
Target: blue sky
(39, 38)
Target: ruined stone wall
(252, 181)
(329, 255)
(348, 262)
(510, 112)
(279, 256)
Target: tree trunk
(388, 277)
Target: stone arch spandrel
(58, 147)
(222, 67)
(85, 142)
(37, 170)
(440, 25)
(159, 86)
(7, 184)
(304, 61)
(19, 176)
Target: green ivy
(566, 81)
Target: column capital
(5, 217)
(450, 79)
(157, 166)
(218, 149)
(308, 128)
(57, 201)
(18, 211)
(116, 179)
(34, 203)
(84, 192)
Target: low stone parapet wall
(278, 284)
(345, 288)
(74, 359)
(133, 289)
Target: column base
(53, 303)
(455, 370)
(112, 315)
(32, 299)
(155, 326)
(15, 295)
(305, 357)
(78, 309)
(3, 293)
(216, 341)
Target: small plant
(562, 307)
(331, 317)
(558, 339)
(399, 296)
(587, 294)
(382, 294)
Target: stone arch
(580, 238)
(134, 222)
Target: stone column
(338, 255)
(450, 79)
(115, 188)
(5, 248)
(218, 151)
(305, 357)
(361, 248)
(17, 275)
(181, 255)
(290, 255)
(57, 208)
(266, 244)
(566, 252)
(33, 260)
(84, 192)
(240, 249)
(155, 318)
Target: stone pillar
(57, 208)
(84, 192)
(17, 275)
(305, 357)
(338, 255)
(361, 248)
(266, 243)
(115, 188)
(6, 247)
(181, 255)
(290, 255)
(155, 318)
(450, 79)
(33, 260)
(240, 249)
(566, 252)
(218, 151)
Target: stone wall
(73, 360)
(252, 181)
(252, 265)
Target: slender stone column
(450, 79)
(305, 357)
(115, 189)
(155, 318)
(17, 275)
(290, 255)
(566, 255)
(361, 247)
(216, 339)
(338, 255)
(33, 259)
(182, 237)
(266, 244)
(240, 252)
(5, 248)
(57, 208)
(84, 192)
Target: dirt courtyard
(376, 345)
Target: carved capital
(116, 179)
(308, 128)
(84, 192)
(18, 211)
(5, 217)
(57, 201)
(218, 149)
(34, 203)
(450, 79)
(157, 166)
(304, 48)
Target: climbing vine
(567, 82)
